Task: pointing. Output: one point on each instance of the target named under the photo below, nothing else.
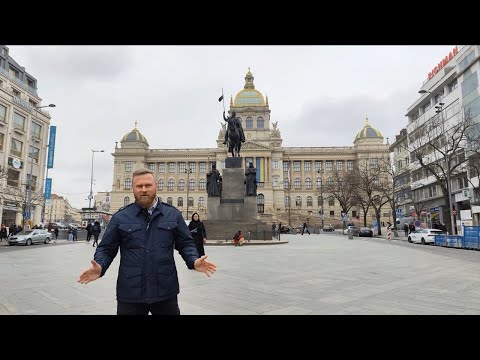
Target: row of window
(170, 185)
(16, 148)
(307, 165)
(19, 122)
(13, 179)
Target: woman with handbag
(197, 229)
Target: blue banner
(48, 188)
(51, 146)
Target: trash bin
(350, 233)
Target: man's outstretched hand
(202, 265)
(91, 274)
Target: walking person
(146, 232)
(3, 232)
(89, 231)
(405, 229)
(96, 230)
(55, 231)
(305, 228)
(199, 234)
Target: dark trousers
(95, 241)
(166, 307)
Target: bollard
(350, 234)
(389, 234)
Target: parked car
(29, 237)
(345, 231)
(328, 228)
(424, 235)
(363, 231)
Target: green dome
(368, 132)
(134, 136)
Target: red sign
(442, 63)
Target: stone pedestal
(234, 211)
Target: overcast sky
(319, 95)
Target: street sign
(26, 215)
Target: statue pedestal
(234, 211)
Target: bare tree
(438, 146)
(387, 188)
(20, 196)
(341, 186)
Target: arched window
(170, 185)
(202, 184)
(308, 183)
(298, 184)
(319, 183)
(126, 200)
(191, 184)
(128, 184)
(181, 185)
(287, 201)
(249, 123)
(260, 203)
(201, 201)
(309, 201)
(298, 202)
(190, 201)
(320, 201)
(160, 184)
(260, 123)
(169, 200)
(330, 181)
(286, 184)
(331, 201)
(180, 202)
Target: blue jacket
(147, 271)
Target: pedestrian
(74, 233)
(305, 228)
(238, 238)
(146, 232)
(405, 229)
(55, 231)
(96, 230)
(89, 231)
(199, 234)
(3, 232)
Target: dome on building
(249, 96)
(134, 136)
(368, 132)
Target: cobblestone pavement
(311, 274)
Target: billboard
(48, 188)
(51, 146)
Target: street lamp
(29, 184)
(320, 173)
(439, 110)
(90, 197)
(188, 172)
(289, 184)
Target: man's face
(144, 190)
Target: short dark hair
(142, 171)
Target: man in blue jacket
(146, 232)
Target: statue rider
(234, 121)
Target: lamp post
(188, 172)
(288, 190)
(90, 197)
(439, 110)
(29, 193)
(320, 173)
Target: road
(311, 274)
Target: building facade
(23, 144)
(290, 179)
(450, 95)
(401, 175)
(61, 211)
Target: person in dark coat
(89, 231)
(146, 232)
(199, 234)
(405, 229)
(96, 230)
(305, 228)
